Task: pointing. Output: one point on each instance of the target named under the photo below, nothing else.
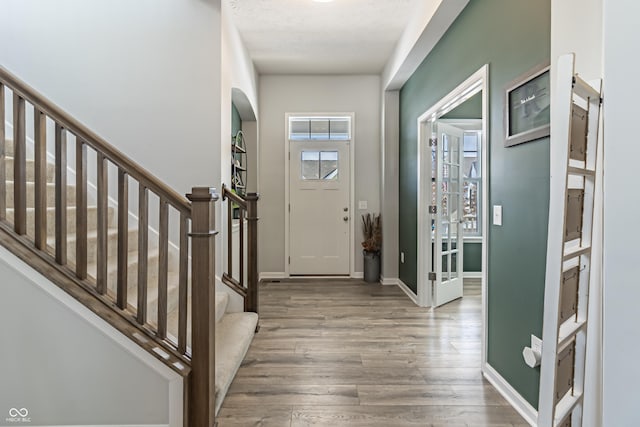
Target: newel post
(251, 302)
(203, 367)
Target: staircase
(114, 261)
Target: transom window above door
(335, 128)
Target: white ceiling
(307, 37)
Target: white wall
(280, 94)
(576, 26)
(69, 367)
(622, 204)
(144, 75)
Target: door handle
(346, 218)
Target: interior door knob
(346, 218)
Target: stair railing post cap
(202, 194)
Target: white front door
(447, 231)
(319, 208)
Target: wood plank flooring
(346, 353)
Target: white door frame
(479, 81)
(287, 196)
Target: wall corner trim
(510, 394)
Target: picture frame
(527, 107)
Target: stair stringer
(64, 317)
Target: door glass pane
(445, 148)
(328, 165)
(455, 150)
(445, 200)
(454, 265)
(454, 173)
(310, 165)
(471, 196)
(445, 268)
(471, 167)
(453, 187)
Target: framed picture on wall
(527, 102)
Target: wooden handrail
(229, 194)
(94, 141)
(234, 285)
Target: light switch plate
(362, 205)
(497, 215)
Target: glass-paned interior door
(447, 228)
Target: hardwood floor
(346, 353)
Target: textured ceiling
(307, 37)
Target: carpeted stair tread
(30, 170)
(51, 194)
(173, 288)
(92, 244)
(132, 269)
(222, 301)
(92, 218)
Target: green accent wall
(512, 37)
(472, 259)
(470, 109)
(236, 121)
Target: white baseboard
(472, 275)
(394, 281)
(270, 275)
(358, 275)
(514, 398)
(407, 290)
(388, 281)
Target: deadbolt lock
(345, 209)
